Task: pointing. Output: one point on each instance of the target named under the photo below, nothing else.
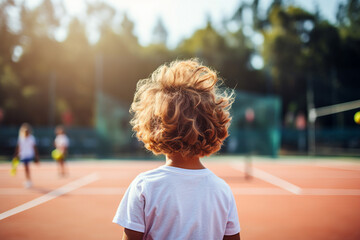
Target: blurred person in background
(61, 144)
(26, 151)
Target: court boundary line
(118, 191)
(51, 195)
(345, 167)
(269, 178)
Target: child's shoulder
(144, 178)
(163, 174)
(153, 173)
(31, 138)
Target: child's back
(177, 203)
(179, 112)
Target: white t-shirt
(26, 147)
(175, 203)
(61, 141)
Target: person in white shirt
(26, 151)
(61, 144)
(180, 113)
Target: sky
(182, 17)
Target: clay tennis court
(286, 198)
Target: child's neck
(177, 160)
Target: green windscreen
(112, 124)
(255, 127)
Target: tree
(9, 80)
(348, 20)
(75, 76)
(285, 52)
(159, 33)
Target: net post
(311, 131)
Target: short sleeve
(62, 141)
(130, 213)
(33, 140)
(66, 141)
(232, 225)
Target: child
(179, 112)
(26, 151)
(61, 144)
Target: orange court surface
(287, 198)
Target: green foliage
(40, 74)
(229, 54)
(286, 52)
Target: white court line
(267, 177)
(101, 191)
(307, 191)
(81, 191)
(118, 191)
(51, 195)
(331, 192)
(339, 166)
(259, 191)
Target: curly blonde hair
(23, 128)
(180, 109)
